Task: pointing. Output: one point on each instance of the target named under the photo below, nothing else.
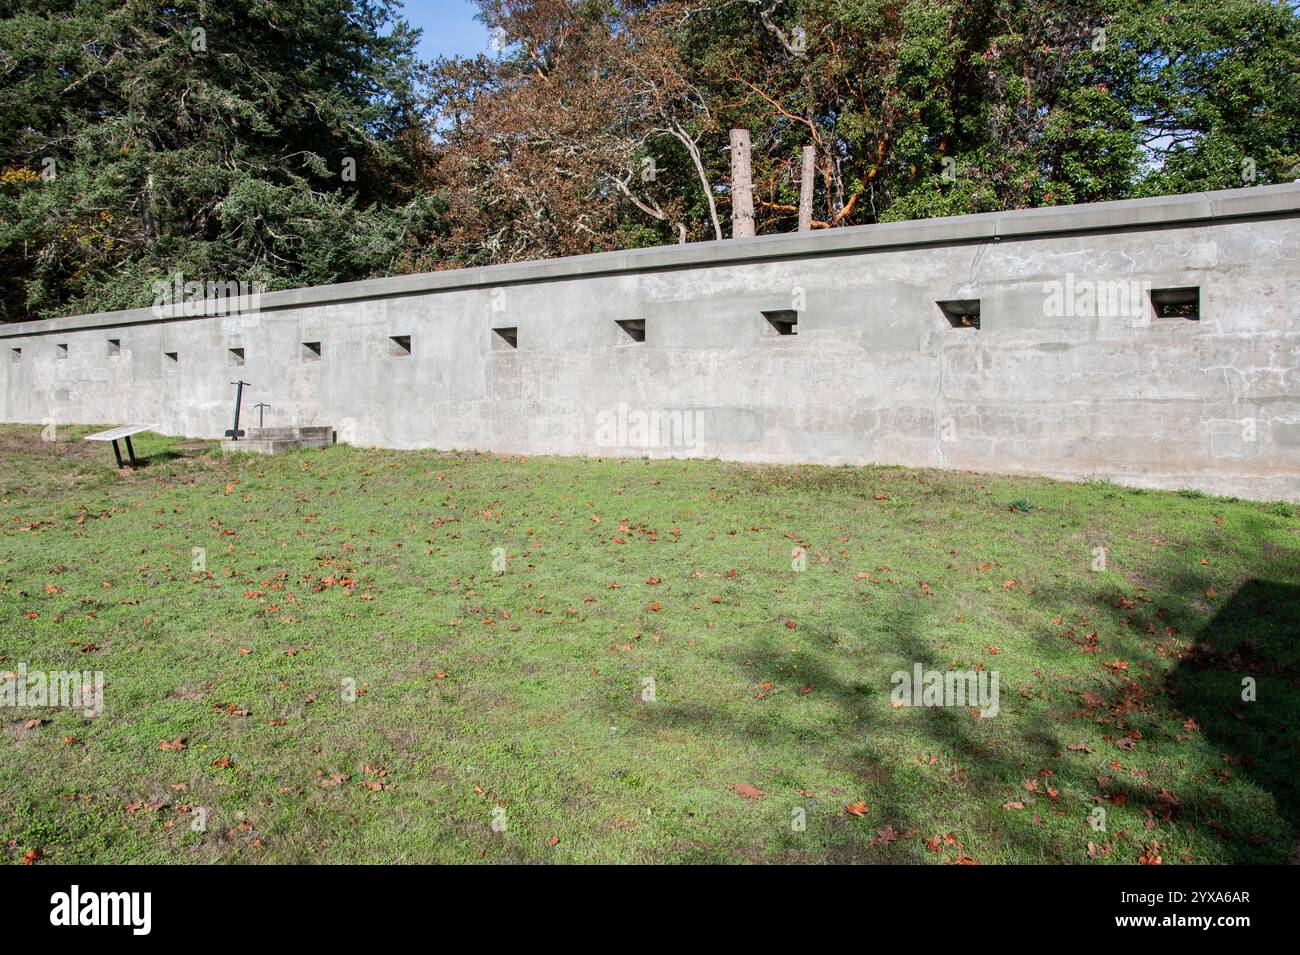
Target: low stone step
(260, 446)
(316, 436)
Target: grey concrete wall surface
(1075, 370)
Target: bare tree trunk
(742, 186)
(676, 130)
(806, 188)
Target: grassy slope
(539, 707)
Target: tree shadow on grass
(1176, 693)
(832, 835)
(1069, 746)
(857, 746)
(1254, 637)
(1181, 693)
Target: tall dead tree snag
(806, 188)
(742, 186)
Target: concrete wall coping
(1150, 213)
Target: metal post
(234, 434)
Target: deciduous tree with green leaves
(915, 108)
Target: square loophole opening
(311, 351)
(236, 356)
(399, 346)
(61, 350)
(784, 321)
(114, 347)
(634, 328)
(172, 356)
(1177, 302)
(15, 354)
(961, 312)
(505, 339)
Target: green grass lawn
(521, 697)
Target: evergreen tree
(217, 138)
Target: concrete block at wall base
(260, 446)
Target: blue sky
(449, 28)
